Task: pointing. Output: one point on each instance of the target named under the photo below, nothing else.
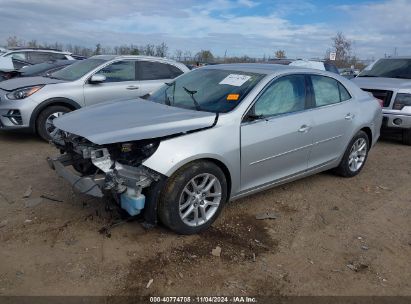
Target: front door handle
(132, 87)
(349, 116)
(304, 129)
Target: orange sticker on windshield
(233, 97)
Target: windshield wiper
(191, 93)
(367, 76)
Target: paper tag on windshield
(236, 80)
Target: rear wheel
(193, 197)
(355, 156)
(406, 137)
(44, 124)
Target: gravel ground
(332, 236)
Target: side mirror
(97, 78)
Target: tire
(346, 167)
(174, 195)
(406, 137)
(46, 114)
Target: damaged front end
(112, 169)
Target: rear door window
(150, 70)
(328, 91)
(57, 56)
(38, 57)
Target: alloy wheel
(50, 128)
(200, 199)
(357, 155)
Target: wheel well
(221, 165)
(369, 134)
(48, 103)
(225, 170)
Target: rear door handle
(132, 87)
(349, 116)
(304, 129)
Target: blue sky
(240, 27)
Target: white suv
(34, 56)
(389, 80)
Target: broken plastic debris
(28, 192)
(216, 251)
(149, 283)
(266, 215)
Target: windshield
(390, 68)
(209, 90)
(77, 69)
(37, 68)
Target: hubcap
(357, 154)
(50, 128)
(200, 199)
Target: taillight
(402, 100)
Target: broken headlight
(134, 153)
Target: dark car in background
(41, 69)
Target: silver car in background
(34, 102)
(215, 134)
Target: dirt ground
(323, 224)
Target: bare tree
(280, 54)
(149, 50)
(12, 41)
(97, 51)
(204, 56)
(33, 44)
(188, 56)
(161, 50)
(178, 54)
(342, 47)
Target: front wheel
(193, 197)
(44, 124)
(355, 156)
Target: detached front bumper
(83, 184)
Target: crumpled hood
(16, 83)
(382, 83)
(130, 120)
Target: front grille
(384, 95)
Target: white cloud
(217, 25)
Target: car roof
(398, 57)
(36, 50)
(140, 57)
(111, 57)
(262, 68)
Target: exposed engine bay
(114, 169)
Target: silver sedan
(216, 134)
